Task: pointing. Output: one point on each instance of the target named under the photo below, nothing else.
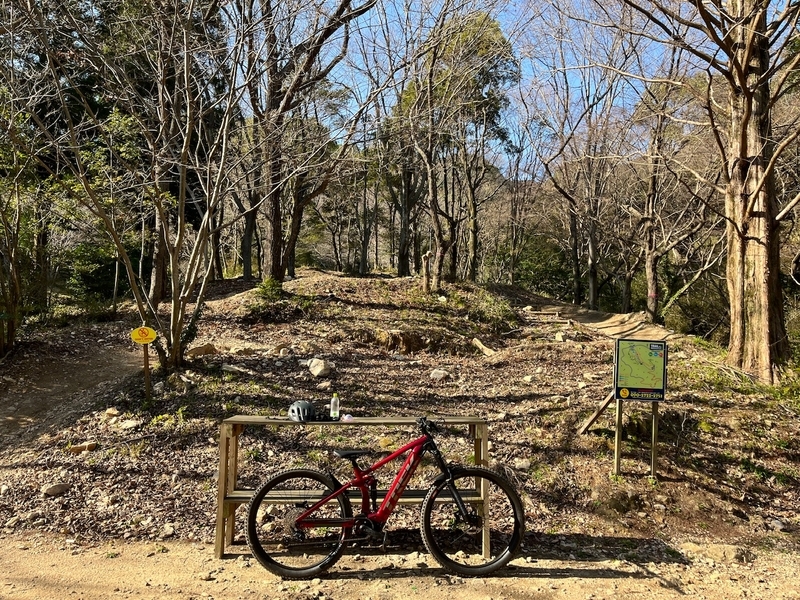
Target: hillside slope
(729, 452)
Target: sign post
(640, 373)
(144, 335)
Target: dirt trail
(36, 386)
(43, 569)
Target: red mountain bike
(472, 520)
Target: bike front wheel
(282, 545)
(483, 536)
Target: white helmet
(302, 411)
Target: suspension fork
(431, 447)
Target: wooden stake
(608, 400)
(618, 439)
(654, 451)
(147, 389)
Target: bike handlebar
(427, 426)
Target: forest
(625, 155)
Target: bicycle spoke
(279, 542)
(484, 539)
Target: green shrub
(270, 290)
(545, 269)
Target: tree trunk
(158, 275)
(404, 243)
(575, 258)
(591, 269)
(247, 243)
(273, 250)
(758, 339)
(626, 304)
(651, 275)
(472, 239)
(218, 272)
(41, 254)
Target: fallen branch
(479, 345)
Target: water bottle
(335, 407)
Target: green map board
(640, 370)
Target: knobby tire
(456, 542)
(272, 533)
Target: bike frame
(365, 482)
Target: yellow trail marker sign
(143, 335)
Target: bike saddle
(351, 454)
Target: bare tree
(747, 50)
(163, 114)
(578, 105)
(290, 48)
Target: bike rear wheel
(493, 508)
(274, 537)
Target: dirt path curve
(38, 381)
(630, 325)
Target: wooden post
(225, 435)
(618, 439)
(590, 421)
(148, 391)
(426, 272)
(144, 335)
(654, 441)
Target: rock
(522, 464)
(324, 386)
(3, 490)
(723, 553)
(527, 378)
(204, 350)
(740, 514)
(243, 351)
(205, 576)
(159, 388)
(168, 530)
(581, 385)
(278, 349)
(111, 412)
(623, 502)
(84, 447)
(285, 352)
(560, 337)
(659, 507)
(404, 342)
(439, 374)
(226, 368)
(11, 523)
(130, 424)
(776, 525)
(319, 367)
(55, 489)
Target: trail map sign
(640, 370)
